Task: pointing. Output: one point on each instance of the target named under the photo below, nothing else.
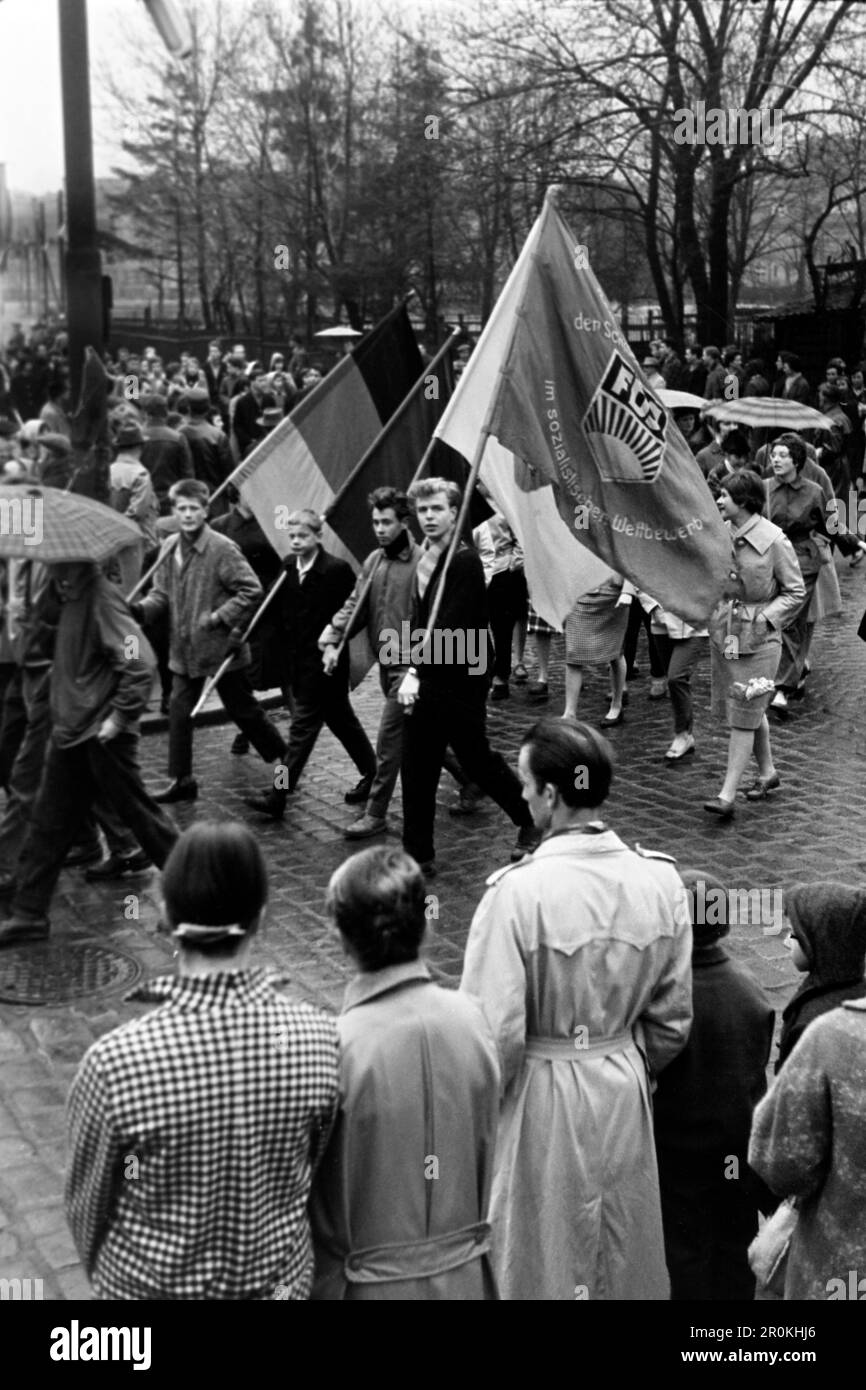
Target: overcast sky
(31, 139)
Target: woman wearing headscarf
(809, 1142)
(764, 588)
(194, 1131)
(828, 944)
(399, 1206)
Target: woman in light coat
(764, 588)
(809, 1141)
(399, 1207)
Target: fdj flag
(573, 421)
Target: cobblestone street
(810, 830)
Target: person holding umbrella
(100, 685)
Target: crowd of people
(563, 1126)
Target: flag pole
(403, 406)
(224, 665)
(549, 200)
(368, 583)
(169, 546)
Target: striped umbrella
(47, 524)
(769, 412)
(680, 400)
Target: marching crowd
(584, 1117)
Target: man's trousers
(240, 704)
(456, 716)
(325, 700)
(71, 781)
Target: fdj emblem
(632, 425)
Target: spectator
(399, 1206)
(166, 453)
(827, 939)
(580, 957)
(168, 1194)
(702, 1114)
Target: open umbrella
(680, 400)
(769, 412)
(47, 524)
(341, 331)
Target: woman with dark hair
(399, 1206)
(797, 506)
(764, 588)
(194, 1131)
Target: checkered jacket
(194, 1133)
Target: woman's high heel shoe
(761, 786)
(717, 807)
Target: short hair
(737, 444)
(428, 487)
(790, 359)
(746, 489)
(713, 352)
(795, 446)
(304, 516)
(390, 497)
(190, 487)
(558, 748)
(838, 363)
(754, 367)
(377, 900)
(156, 405)
(215, 876)
(729, 354)
(696, 349)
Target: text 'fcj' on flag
(581, 457)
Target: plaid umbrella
(44, 523)
(769, 412)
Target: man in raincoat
(581, 958)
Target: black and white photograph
(432, 654)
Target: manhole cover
(51, 974)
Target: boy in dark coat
(703, 1112)
(828, 922)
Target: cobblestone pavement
(810, 830)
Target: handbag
(768, 1252)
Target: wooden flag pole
(224, 665)
(169, 546)
(361, 597)
(458, 527)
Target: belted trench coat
(399, 1204)
(581, 958)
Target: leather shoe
(761, 786)
(717, 807)
(468, 801)
(682, 745)
(359, 793)
(16, 931)
(528, 839)
(272, 804)
(611, 720)
(538, 693)
(364, 827)
(181, 789)
(240, 745)
(118, 866)
(500, 692)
